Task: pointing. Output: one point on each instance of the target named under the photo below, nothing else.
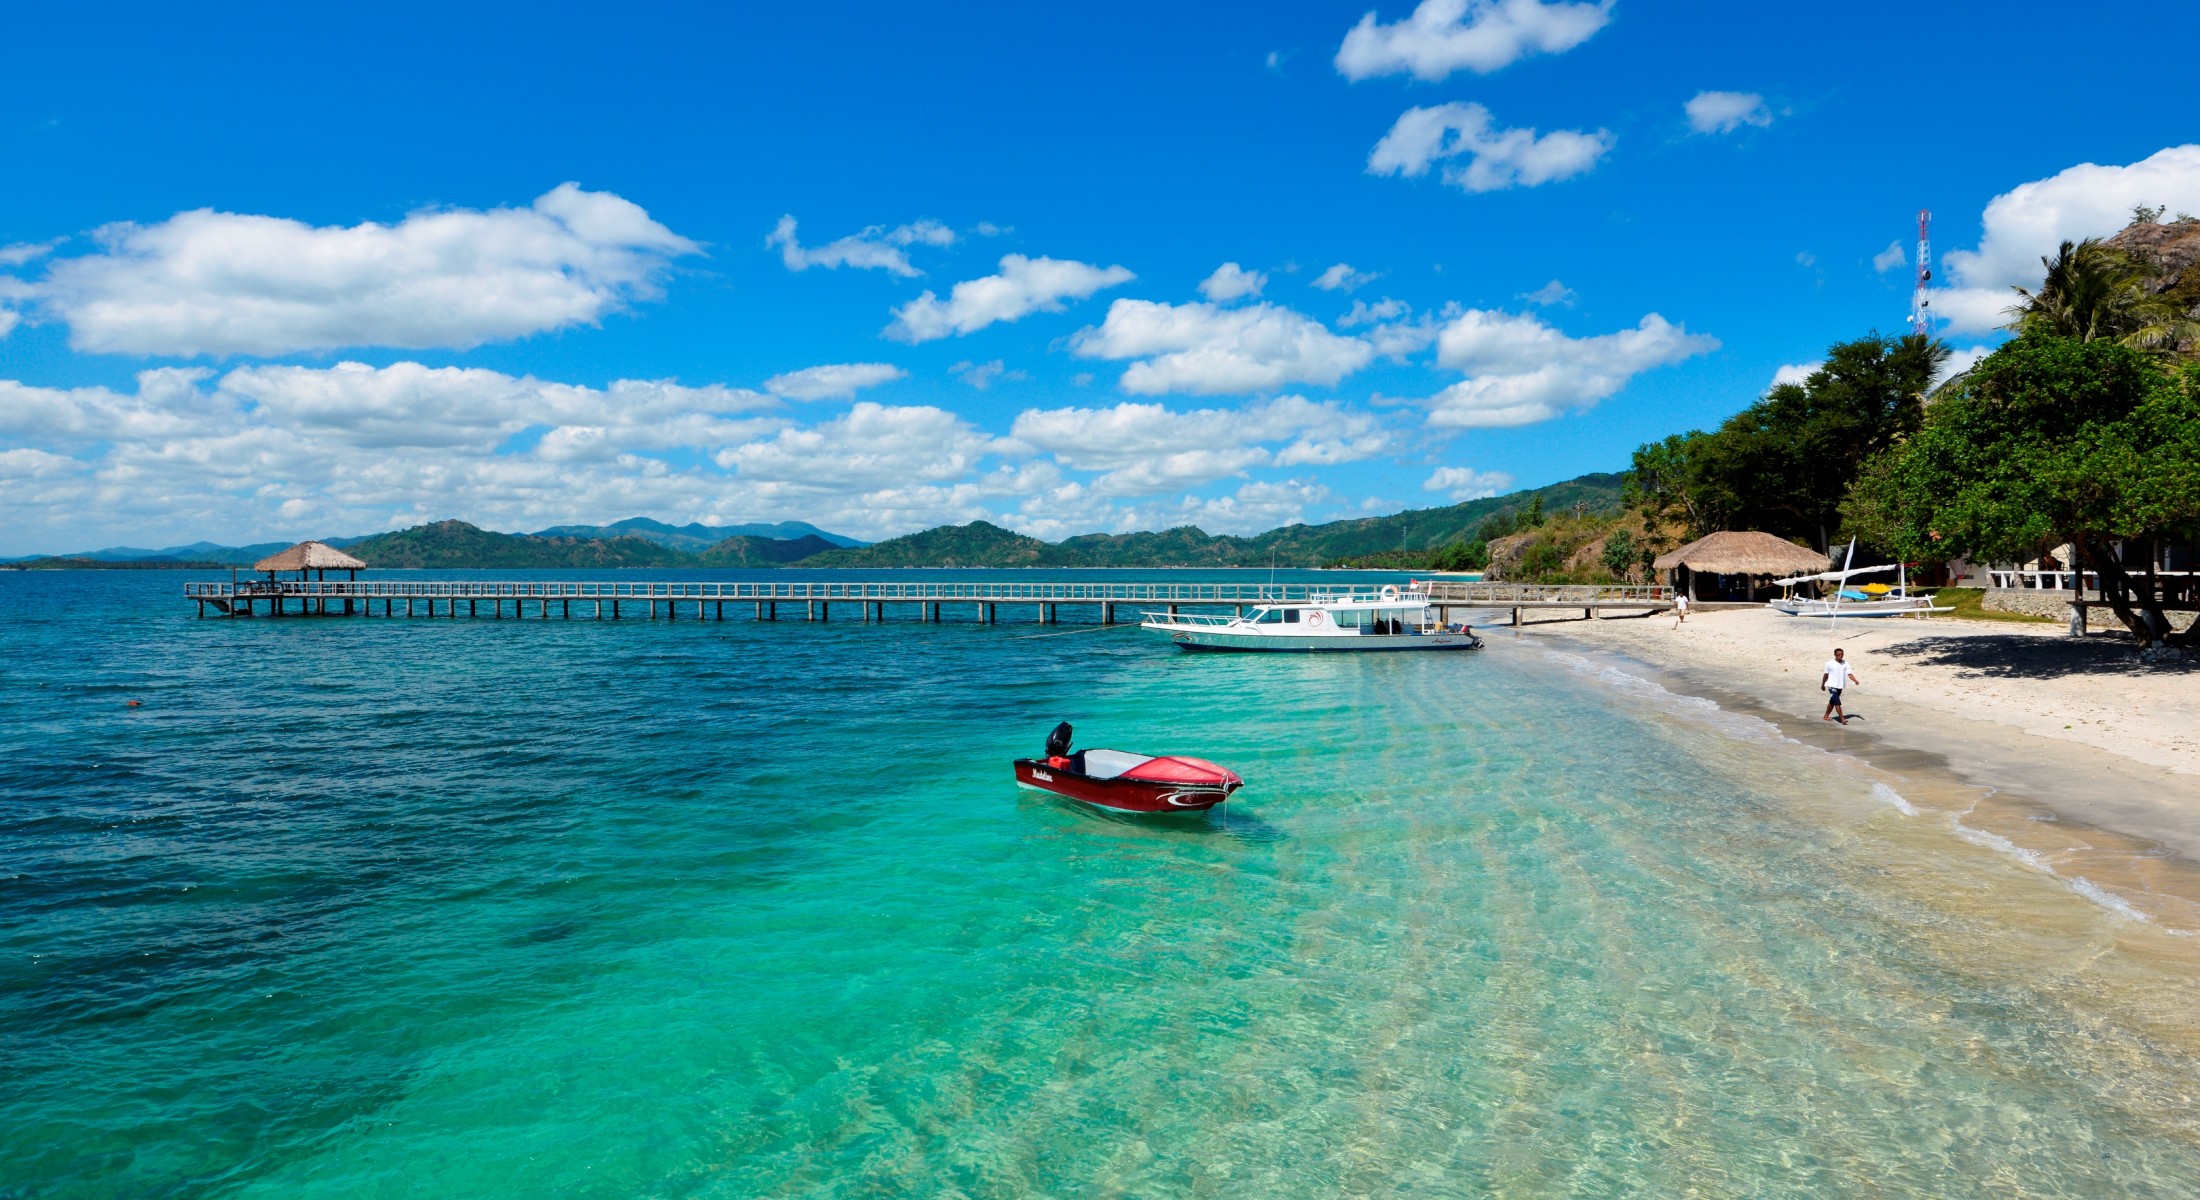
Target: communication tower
(1921, 317)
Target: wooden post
(992, 615)
(1107, 612)
(1516, 618)
(614, 607)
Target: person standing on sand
(1837, 676)
(1680, 608)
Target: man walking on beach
(1837, 676)
(1680, 608)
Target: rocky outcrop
(2172, 250)
(1506, 553)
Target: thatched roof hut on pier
(1734, 562)
(307, 557)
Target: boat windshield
(1276, 616)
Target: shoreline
(2114, 814)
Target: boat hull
(1861, 608)
(1122, 795)
(1228, 641)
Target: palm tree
(2095, 292)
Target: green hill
(980, 544)
(455, 544)
(748, 550)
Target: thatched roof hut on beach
(1734, 561)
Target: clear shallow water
(362, 908)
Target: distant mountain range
(696, 538)
(640, 542)
(691, 539)
(980, 544)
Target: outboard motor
(1058, 741)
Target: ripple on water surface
(480, 908)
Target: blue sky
(285, 272)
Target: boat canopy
(1841, 576)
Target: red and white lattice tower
(1921, 317)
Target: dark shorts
(1833, 695)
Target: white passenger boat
(1387, 620)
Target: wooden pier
(928, 601)
(1594, 600)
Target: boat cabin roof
(1409, 600)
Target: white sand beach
(2032, 679)
(2070, 754)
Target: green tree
(1619, 553)
(1661, 484)
(2048, 440)
(1783, 463)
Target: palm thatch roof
(310, 556)
(1733, 552)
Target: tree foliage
(1782, 464)
(2048, 440)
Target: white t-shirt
(1837, 673)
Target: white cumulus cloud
(1023, 286)
(1363, 313)
(1443, 36)
(1340, 277)
(1521, 371)
(2029, 221)
(1725, 112)
(1962, 359)
(1232, 282)
(1795, 373)
(833, 381)
(875, 248)
(1491, 159)
(1147, 448)
(1895, 255)
(1552, 293)
(984, 375)
(1465, 483)
(1203, 349)
(206, 282)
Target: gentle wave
(1755, 729)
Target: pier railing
(1505, 595)
(816, 599)
(795, 590)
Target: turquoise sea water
(475, 909)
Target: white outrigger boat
(1871, 600)
(1324, 622)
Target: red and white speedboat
(1140, 783)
